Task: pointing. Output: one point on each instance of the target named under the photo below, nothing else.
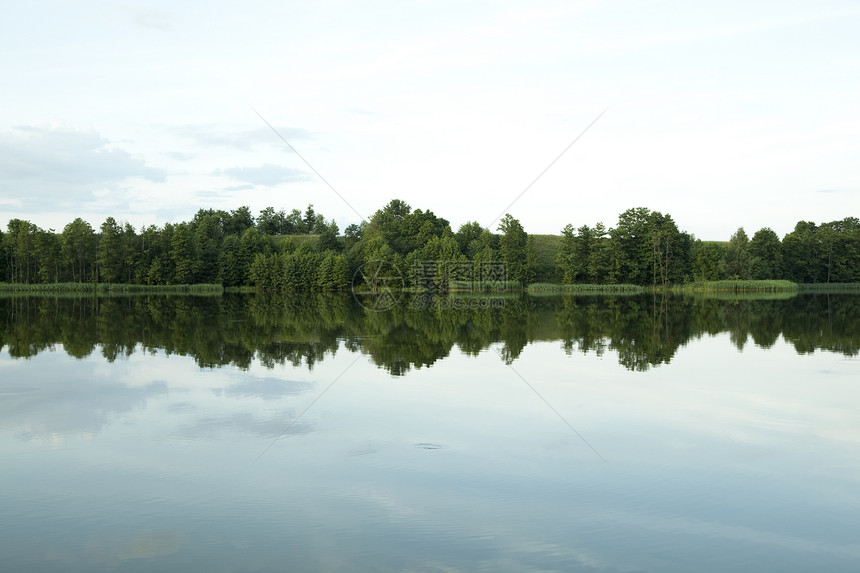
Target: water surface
(310, 434)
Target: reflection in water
(46, 407)
(119, 454)
(644, 331)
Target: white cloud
(61, 166)
(245, 139)
(267, 174)
(147, 16)
(453, 107)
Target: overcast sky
(723, 113)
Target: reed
(103, 288)
(241, 289)
(832, 288)
(552, 288)
(738, 286)
(483, 286)
(739, 295)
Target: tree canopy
(304, 251)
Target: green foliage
(545, 249)
(645, 248)
(109, 254)
(516, 251)
(468, 238)
(741, 286)
(107, 288)
(328, 236)
(552, 288)
(707, 260)
(765, 252)
(737, 260)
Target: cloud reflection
(67, 407)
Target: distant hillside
(546, 247)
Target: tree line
(647, 248)
(301, 251)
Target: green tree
(841, 243)
(328, 237)
(310, 220)
(263, 271)
(48, 248)
(801, 253)
(573, 254)
(669, 250)
(352, 235)
(230, 271)
(295, 225)
(737, 261)
(183, 255)
(270, 222)
(340, 275)
(130, 245)
(20, 247)
(707, 259)
(79, 248)
(5, 257)
(598, 255)
(207, 238)
(251, 243)
(109, 254)
(467, 237)
(238, 221)
(514, 251)
(632, 249)
(765, 254)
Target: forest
(302, 251)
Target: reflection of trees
(648, 330)
(644, 331)
(234, 329)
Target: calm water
(551, 434)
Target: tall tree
(765, 253)
(20, 246)
(801, 253)
(47, 249)
(513, 248)
(598, 254)
(207, 238)
(238, 220)
(328, 237)
(79, 248)
(183, 255)
(467, 237)
(310, 220)
(230, 272)
(270, 222)
(737, 262)
(109, 254)
(633, 250)
(667, 249)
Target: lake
(315, 433)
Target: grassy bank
(835, 288)
(483, 286)
(552, 288)
(738, 286)
(546, 248)
(101, 289)
(241, 289)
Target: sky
(723, 114)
